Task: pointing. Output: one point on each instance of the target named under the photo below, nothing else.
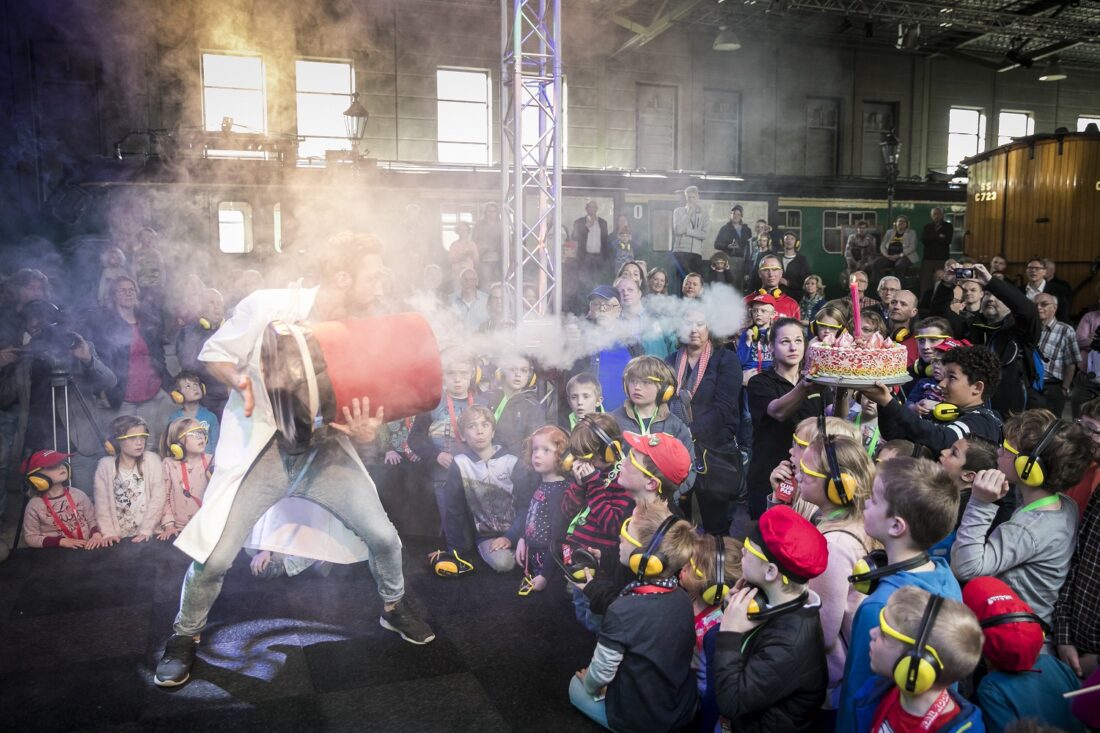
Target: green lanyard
(500, 408)
(642, 425)
(1045, 501)
(874, 442)
(572, 420)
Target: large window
(234, 98)
(324, 90)
(463, 113)
(790, 220)
(235, 227)
(965, 134)
(1014, 124)
(1083, 122)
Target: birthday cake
(843, 359)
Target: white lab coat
(242, 439)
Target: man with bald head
(901, 310)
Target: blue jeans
(594, 709)
(333, 481)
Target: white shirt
(592, 245)
(1032, 292)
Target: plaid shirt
(1059, 346)
(1077, 613)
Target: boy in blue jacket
(913, 505)
(923, 644)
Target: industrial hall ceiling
(998, 34)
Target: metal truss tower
(531, 159)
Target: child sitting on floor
(640, 674)
(57, 515)
(188, 393)
(187, 471)
(538, 523)
(923, 644)
(477, 496)
(129, 490)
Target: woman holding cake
(778, 399)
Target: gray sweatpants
(333, 481)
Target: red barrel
(392, 360)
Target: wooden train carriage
(1038, 197)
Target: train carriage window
(1014, 124)
(235, 227)
(1083, 122)
(965, 134)
(324, 90)
(837, 225)
(234, 98)
(790, 220)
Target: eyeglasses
(895, 634)
(836, 326)
(1036, 267)
(753, 551)
(605, 307)
(202, 427)
(802, 443)
(771, 267)
(695, 568)
(933, 336)
(625, 533)
(809, 471)
(1008, 447)
(1044, 304)
(641, 468)
(132, 435)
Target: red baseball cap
(952, 343)
(667, 453)
(44, 459)
(1011, 645)
(792, 543)
(762, 299)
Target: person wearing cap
(657, 464)
(605, 312)
(770, 661)
(753, 345)
(1012, 649)
(57, 515)
(769, 275)
(933, 339)
(735, 239)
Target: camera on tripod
(52, 341)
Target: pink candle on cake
(857, 320)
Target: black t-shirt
(771, 441)
(654, 689)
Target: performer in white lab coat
(255, 470)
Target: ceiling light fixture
(726, 40)
(1054, 72)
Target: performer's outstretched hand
(359, 425)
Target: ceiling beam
(660, 24)
(1042, 53)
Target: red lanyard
(454, 418)
(935, 711)
(187, 480)
(57, 520)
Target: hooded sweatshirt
(857, 668)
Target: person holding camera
(35, 380)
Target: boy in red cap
(58, 515)
(770, 662)
(1013, 642)
(754, 348)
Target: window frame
(205, 104)
(1083, 120)
(979, 135)
(298, 94)
(247, 225)
(488, 105)
(1003, 139)
(852, 215)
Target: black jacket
(728, 241)
(774, 677)
(113, 337)
(716, 405)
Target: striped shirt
(1076, 616)
(1058, 343)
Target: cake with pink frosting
(874, 359)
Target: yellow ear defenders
(499, 375)
(176, 449)
(868, 571)
(900, 334)
(177, 396)
(917, 670)
(946, 412)
(717, 590)
(42, 483)
(612, 449)
(1030, 466)
(112, 447)
(759, 610)
(775, 293)
(665, 390)
(579, 561)
(840, 486)
(206, 324)
(920, 369)
(648, 562)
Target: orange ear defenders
(612, 449)
(1030, 466)
(648, 562)
(177, 396)
(176, 450)
(717, 590)
(919, 668)
(868, 571)
(113, 448)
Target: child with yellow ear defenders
(922, 646)
(770, 660)
(186, 473)
(712, 570)
(129, 490)
(1031, 552)
(188, 392)
(640, 675)
(835, 474)
(57, 515)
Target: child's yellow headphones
(840, 486)
(648, 561)
(499, 375)
(665, 389)
(43, 483)
(206, 324)
(177, 396)
(872, 568)
(918, 669)
(612, 449)
(1030, 466)
(946, 412)
(900, 334)
(716, 589)
(176, 450)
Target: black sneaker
(174, 668)
(406, 623)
